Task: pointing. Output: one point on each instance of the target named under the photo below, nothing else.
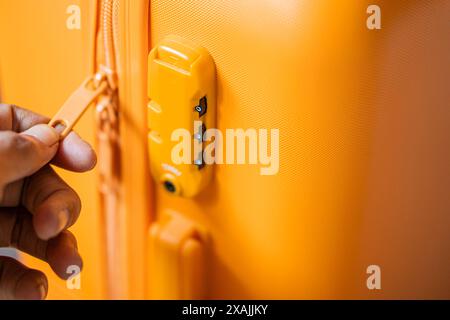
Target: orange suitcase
(362, 115)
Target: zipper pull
(78, 102)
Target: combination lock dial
(182, 94)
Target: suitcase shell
(363, 119)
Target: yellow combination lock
(182, 104)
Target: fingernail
(43, 133)
(31, 288)
(42, 292)
(62, 220)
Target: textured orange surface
(364, 142)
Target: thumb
(21, 155)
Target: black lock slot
(202, 107)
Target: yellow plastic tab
(77, 103)
(182, 89)
(177, 258)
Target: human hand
(36, 205)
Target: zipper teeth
(108, 34)
(115, 31)
(113, 227)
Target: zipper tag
(78, 102)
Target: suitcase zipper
(102, 83)
(109, 153)
(113, 82)
(102, 89)
(72, 110)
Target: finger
(61, 252)
(13, 118)
(17, 282)
(21, 155)
(74, 153)
(54, 205)
(11, 194)
(6, 116)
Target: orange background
(364, 142)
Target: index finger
(74, 153)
